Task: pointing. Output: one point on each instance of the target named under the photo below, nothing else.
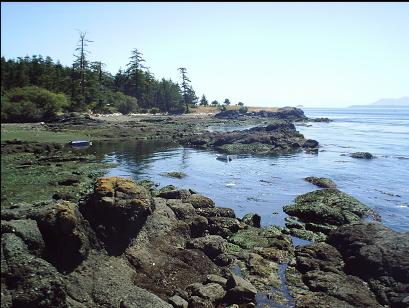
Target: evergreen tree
(226, 102)
(203, 101)
(136, 78)
(186, 88)
(81, 66)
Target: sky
(262, 54)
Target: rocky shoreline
(130, 244)
(112, 242)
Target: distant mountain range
(388, 102)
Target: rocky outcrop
(185, 255)
(324, 210)
(228, 114)
(377, 255)
(286, 113)
(363, 264)
(278, 137)
(117, 210)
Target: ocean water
(264, 184)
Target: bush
(243, 110)
(124, 103)
(31, 104)
(154, 110)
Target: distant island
(388, 102)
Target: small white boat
(80, 143)
(225, 157)
(222, 157)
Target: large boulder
(28, 231)
(378, 255)
(211, 245)
(27, 280)
(56, 231)
(117, 210)
(324, 210)
(239, 290)
(67, 235)
(199, 201)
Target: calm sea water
(263, 184)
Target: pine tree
(203, 101)
(81, 65)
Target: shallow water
(263, 184)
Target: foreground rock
(377, 255)
(363, 264)
(278, 137)
(117, 210)
(125, 247)
(184, 251)
(319, 212)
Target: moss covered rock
(324, 210)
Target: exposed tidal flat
(139, 238)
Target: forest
(36, 88)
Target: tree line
(86, 85)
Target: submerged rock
(178, 175)
(321, 182)
(363, 155)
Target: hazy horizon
(262, 54)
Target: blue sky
(263, 54)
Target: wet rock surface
(317, 213)
(354, 268)
(321, 182)
(184, 251)
(362, 155)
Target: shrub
(243, 110)
(124, 103)
(154, 110)
(31, 104)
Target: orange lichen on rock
(106, 184)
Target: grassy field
(35, 132)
